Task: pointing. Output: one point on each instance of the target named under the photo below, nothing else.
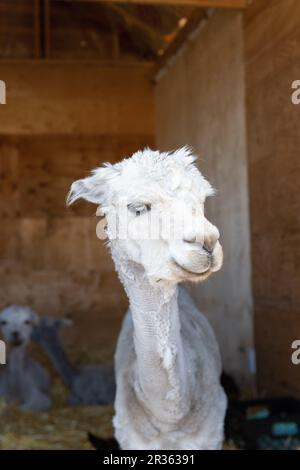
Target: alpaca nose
(209, 245)
(209, 239)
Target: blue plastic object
(285, 429)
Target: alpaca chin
(201, 277)
(218, 258)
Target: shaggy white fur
(22, 380)
(167, 360)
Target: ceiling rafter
(152, 29)
(197, 3)
(154, 39)
(195, 19)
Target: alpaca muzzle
(191, 257)
(16, 339)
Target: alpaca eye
(139, 209)
(3, 322)
(27, 322)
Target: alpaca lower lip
(189, 271)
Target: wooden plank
(49, 164)
(116, 45)
(273, 150)
(84, 98)
(181, 37)
(124, 64)
(48, 252)
(37, 29)
(194, 21)
(153, 38)
(199, 3)
(50, 256)
(47, 30)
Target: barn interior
(89, 82)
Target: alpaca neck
(55, 351)
(17, 360)
(161, 372)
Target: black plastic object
(251, 423)
(102, 444)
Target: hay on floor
(63, 426)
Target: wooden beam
(126, 64)
(194, 20)
(47, 30)
(37, 29)
(238, 4)
(154, 39)
(116, 45)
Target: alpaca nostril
(15, 336)
(189, 239)
(208, 248)
(210, 244)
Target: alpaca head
(154, 208)
(16, 324)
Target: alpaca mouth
(193, 273)
(16, 342)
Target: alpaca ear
(92, 188)
(86, 189)
(34, 317)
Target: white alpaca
(167, 360)
(23, 381)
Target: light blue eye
(138, 209)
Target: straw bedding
(63, 427)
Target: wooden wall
(59, 122)
(200, 101)
(272, 34)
